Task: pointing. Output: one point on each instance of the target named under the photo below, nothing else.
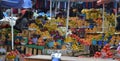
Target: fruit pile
(12, 54)
(105, 52)
(92, 13)
(78, 39)
(40, 42)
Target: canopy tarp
(16, 3)
(103, 1)
(77, 0)
(11, 3)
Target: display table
(34, 49)
(63, 58)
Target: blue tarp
(16, 3)
(11, 3)
(27, 4)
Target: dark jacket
(1, 14)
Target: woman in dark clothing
(24, 21)
(1, 14)
(91, 50)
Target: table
(34, 49)
(63, 58)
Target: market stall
(92, 34)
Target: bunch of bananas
(38, 21)
(50, 26)
(91, 13)
(75, 47)
(33, 25)
(61, 30)
(110, 18)
(38, 32)
(46, 34)
(73, 23)
(68, 39)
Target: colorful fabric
(27, 4)
(118, 48)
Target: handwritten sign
(49, 51)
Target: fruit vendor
(1, 14)
(24, 21)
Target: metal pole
(12, 31)
(58, 4)
(65, 5)
(45, 3)
(19, 10)
(50, 9)
(103, 17)
(12, 37)
(115, 13)
(67, 21)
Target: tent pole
(103, 17)
(19, 10)
(116, 14)
(50, 9)
(12, 31)
(12, 37)
(56, 7)
(45, 3)
(59, 4)
(67, 21)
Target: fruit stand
(88, 35)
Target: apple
(30, 42)
(28, 54)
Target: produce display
(15, 55)
(83, 33)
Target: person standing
(24, 21)
(1, 14)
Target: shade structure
(104, 1)
(11, 3)
(27, 4)
(16, 3)
(76, 0)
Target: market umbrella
(76, 0)
(16, 3)
(11, 3)
(103, 1)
